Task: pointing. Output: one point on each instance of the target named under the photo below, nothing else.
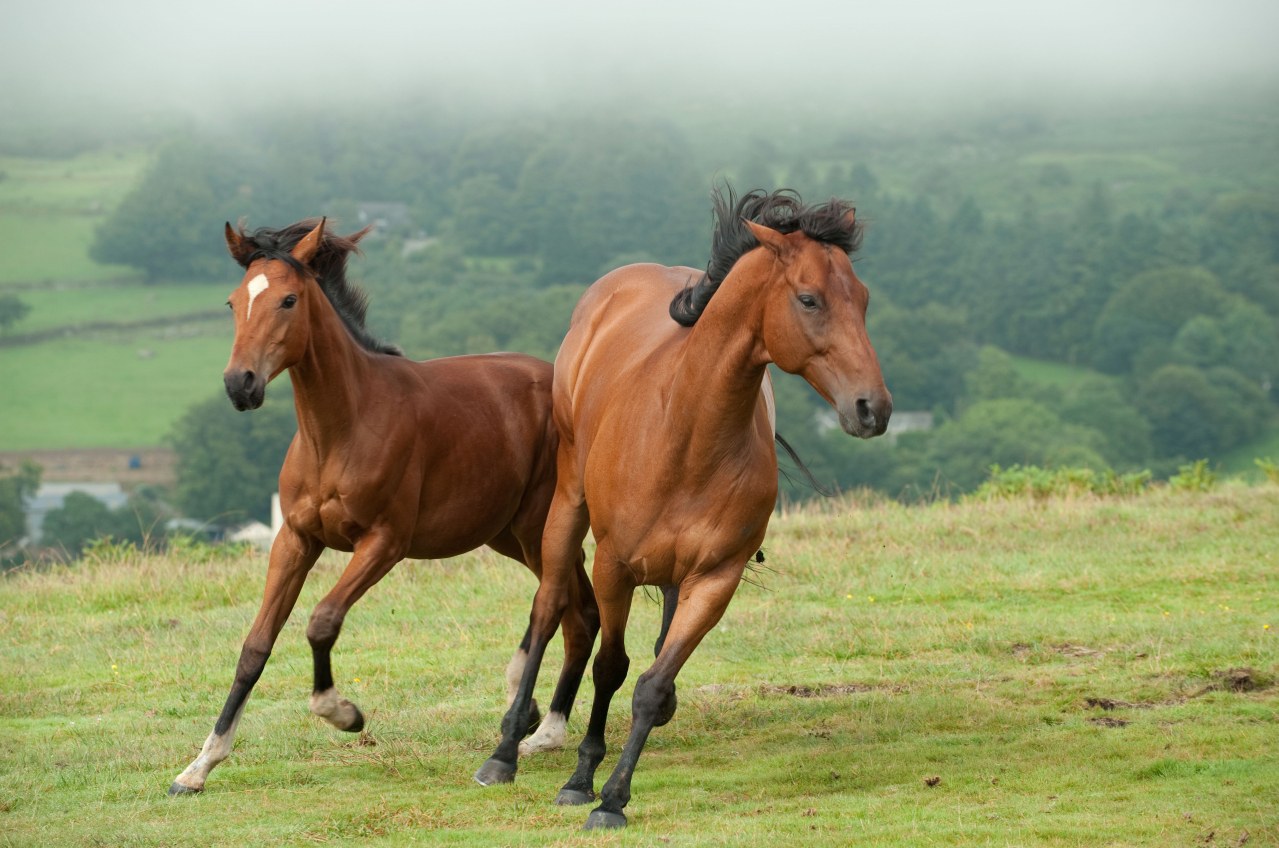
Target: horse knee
(325, 625)
(654, 701)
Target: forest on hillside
(1138, 253)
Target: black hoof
(494, 772)
(667, 711)
(534, 717)
(574, 797)
(176, 789)
(357, 725)
(601, 819)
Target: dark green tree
(12, 310)
(80, 520)
(229, 462)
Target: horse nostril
(865, 415)
(247, 380)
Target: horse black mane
(329, 266)
(782, 210)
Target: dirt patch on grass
(1239, 680)
(799, 690)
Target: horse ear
(306, 249)
(355, 237)
(238, 245)
(768, 237)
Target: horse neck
(722, 365)
(329, 379)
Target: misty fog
(75, 57)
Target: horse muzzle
(246, 389)
(868, 415)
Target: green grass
(119, 389)
(70, 306)
(50, 208)
(1056, 375)
(974, 643)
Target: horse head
(270, 305)
(814, 323)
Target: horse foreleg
(374, 556)
(701, 605)
(290, 562)
(515, 671)
(670, 602)
(609, 673)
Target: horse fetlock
(550, 735)
(337, 711)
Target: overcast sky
(210, 54)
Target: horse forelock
(328, 266)
(831, 223)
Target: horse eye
(229, 306)
(808, 301)
(289, 302)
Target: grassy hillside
(49, 209)
(1063, 673)
(114, 389)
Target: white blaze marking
(257, 285)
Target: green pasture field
(63, 306)
(117, 389)
(1071, 672)
(1056, 375)
(49, 209)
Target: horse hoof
(357, 724)
(667, 711)
(601, 819)
(574, 797)
(176, 789)
(494, 772)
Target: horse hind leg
(373, 558)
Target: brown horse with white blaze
(667, 444)
(392, 459)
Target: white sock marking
(216, 749)
(550, 735)
(257, 285)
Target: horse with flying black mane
(666, 449)
(392, 459)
